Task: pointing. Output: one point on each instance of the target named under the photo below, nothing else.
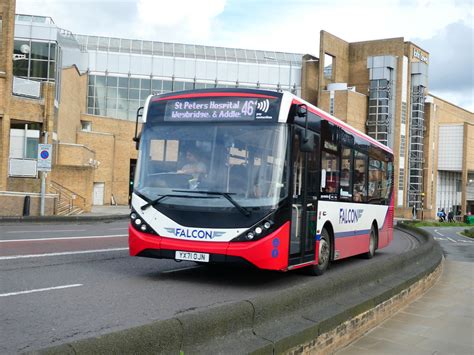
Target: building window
(402, 145)
(328, 66)
(86, 126)
(34, 60)
(401, 178)
(404, 113)
(379, 121)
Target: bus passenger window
(346, 176)
(360, 177)
(330, 164)
(376, 179)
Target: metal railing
(69, 202)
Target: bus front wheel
(324, 255)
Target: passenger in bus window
(345, 183)
(359, 187)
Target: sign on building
(45, 152)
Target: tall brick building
(83, 91)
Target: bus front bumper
(270, 252)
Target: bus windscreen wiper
(226, 195)
(155, 201)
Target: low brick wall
(11, 205)
(351, 330)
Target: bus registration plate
(191, 256)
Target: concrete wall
(73, 104)
(442, 113)
(7, 12)
(77, 179)
(309, 79)
(111, 139)
(339, 49)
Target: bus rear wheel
(324, 255)
(372, 244)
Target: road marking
(63, 238)
(451, 239)
(39, 290)
(182, 269)
(51, 231)
(59, 254)
(438, 238)
(436, 231)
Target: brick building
(80, 93)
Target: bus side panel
(351, 223)
(269, 253)
(386, 232)
(347, 246)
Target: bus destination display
(219, 109)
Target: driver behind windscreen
(194, 166)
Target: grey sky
(444, 28)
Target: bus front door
(305, 183)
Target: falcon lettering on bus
(256, 177)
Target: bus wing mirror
(136, 138)
(307, 142)
(307, 138)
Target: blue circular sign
(44, 154)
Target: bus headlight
(258, 230)
(250, 236)
(138, 223)
(267, 225)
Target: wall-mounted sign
(419, 55)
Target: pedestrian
(450, 216)
(443, 216)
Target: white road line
(38, 290)
(436, 231)
(59, 254)
(451, 239)
(64, 238)
(50, 231)
(438, 238)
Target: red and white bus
(260, 177)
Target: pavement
(108, 210)
(439, 322)
(97, 213)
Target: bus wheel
(372, 244)
(324, 255)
